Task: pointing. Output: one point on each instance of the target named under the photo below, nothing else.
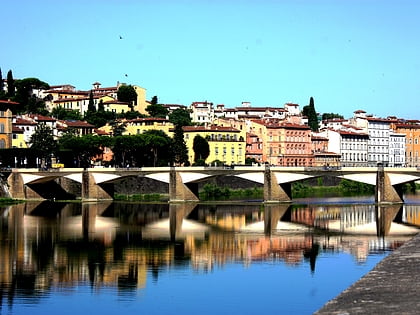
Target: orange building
(411, 129)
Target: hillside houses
(278, 136)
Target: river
(206, 258)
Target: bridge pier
(273, 192)
(384, 191)
(178, 191)
(91, 191)
(19, 190)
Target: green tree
(179, 148)
(201, 148)
(10, 84)
(159, 144)
(2, 92)
(64, 114)
(91, 104)
(24, 95)
(99, 118)
(83, 148)
(310, 112)
(180, 117)
(326, 116)
(127, 93)
(157, 110)
(42, 140)
(154, 100)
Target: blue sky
(347, 55)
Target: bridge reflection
(118, 244)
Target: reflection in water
(58, 245)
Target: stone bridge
(97, 183)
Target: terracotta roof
(209, 128)
(16, 129)
(350, 133)
(21, 121)
(41, 117)
(7, 102)
(78, 124)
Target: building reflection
(54, 245)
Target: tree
(179, 148)
(2, 93)
(310, 112)
(154, 100)
(127, 93)
(326, 116)
(158, 143)
(91, 104)
(201, 148)
(27, 100)
(83, 148)
(180, 117)
(99, 118)
(157, 110)
(10, 84)
(64, 114)
(43, 141)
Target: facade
(140, 125)
(283, 144)
(226, 144)
(6, 123)
(18, 139)
(411, 130)
(396, 149)
(202, 112)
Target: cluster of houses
(273, 135)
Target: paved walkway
(392, 287)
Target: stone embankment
(392, 287)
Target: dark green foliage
(43, 141)
(179, 148)
(83, 148)
(99, 118)
(151, 148)
(130, 115)
(180, 117)
(127, 93)
(29, 102)
(349, 185)
(250, 161)
(91, 104)
(2, 92)
(10, 84)
(157, 110)
(326, 116)
(64, 114)
(310, 112)
(201, 148)
(154, 100)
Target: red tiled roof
(209, 128)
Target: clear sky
(346, 54)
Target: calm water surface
(239, 258)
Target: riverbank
(392, 287)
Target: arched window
(2, 144)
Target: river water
(225, 258)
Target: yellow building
(140, 125)
(141, 103)
(226, 144)
(18, 138)
(6, 123)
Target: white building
(396, 149)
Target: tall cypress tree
(91, 104)
(179, 148)
(310, 112)
(2, 93)
(10, 84)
